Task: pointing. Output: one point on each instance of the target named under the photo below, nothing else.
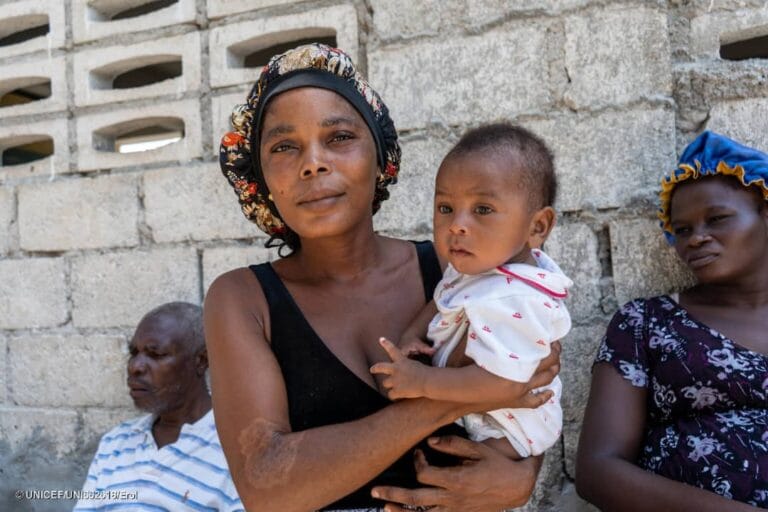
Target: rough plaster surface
(90, 241)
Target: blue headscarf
(713, 154)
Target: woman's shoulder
(236, 293)
(239, 280)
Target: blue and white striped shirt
(190, 474)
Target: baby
(500, 304)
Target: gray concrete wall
(89, 240)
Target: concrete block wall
(91, 239)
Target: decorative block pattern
(17, 16)
(31, 72)
(26, 132)
(715, 27)
(79, 214)
(130, 118)
(88, 24)
(95, 68)
(266, 32)
(224, 8)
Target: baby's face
(481, 217)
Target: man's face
(161, 369)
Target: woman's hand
(486, 481)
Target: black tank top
(323, 391)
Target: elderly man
(171, 458)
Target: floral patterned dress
(707, 417)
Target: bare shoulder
(236, 297)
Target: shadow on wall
(37, 466)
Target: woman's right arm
(274, 468)
(611, 436)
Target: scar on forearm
(268, 453)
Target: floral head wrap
(713, 154)
(313, 65)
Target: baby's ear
(542, 223)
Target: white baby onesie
(510, 315)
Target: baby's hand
(403, 377)
(414, 347)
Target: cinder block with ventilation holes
(222, 8)
(97, 133)
(29, 78)
(230, 44)
(17, 17)
(95, 69)
(21, 133)
(92, 19)
(710, 29)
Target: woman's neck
(750, 293)
(342, 258)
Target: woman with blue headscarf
(677, 417)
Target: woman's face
(721, 232)
(319, 162)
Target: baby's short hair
(527, 152)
